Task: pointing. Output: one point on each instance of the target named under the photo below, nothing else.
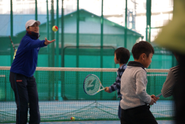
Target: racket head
(91, 84)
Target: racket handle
(159, 95)
(101, 90)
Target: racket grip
(159, 95)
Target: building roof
(20, 20)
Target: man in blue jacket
(21, 74)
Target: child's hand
(154, 97)
(152, 101)
(107, 89)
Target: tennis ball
(72, 118)
(55, 28)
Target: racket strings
(91, 85)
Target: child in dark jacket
(121, 57)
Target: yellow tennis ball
(72, 118)
(55, 28)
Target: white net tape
(83, 69)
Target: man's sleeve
(168, 84)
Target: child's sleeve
(141, 83)
(116, 84)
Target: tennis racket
(92, 85)
(15, 50)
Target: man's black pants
(25, 90)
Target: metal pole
(77, 34)
(11, 34)
(102, 20)
(52, 35)
(62, 35)
(125, 38)
(62, 53)
(36, 15)
(52, 53)
(57, 36)
(148, 14)
(77, 39)
(11, 28)
(57, 50)
(47, 23)
(101, 45)
(47, 28)
(77, 48)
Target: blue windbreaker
(25, 61)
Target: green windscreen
(61, 95)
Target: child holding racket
(21, 74)
(135, 100)
(121, 57)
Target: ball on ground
(72, 118)
(55, 28)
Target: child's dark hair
(122, 54)
(142, 47)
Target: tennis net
(61, 94)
